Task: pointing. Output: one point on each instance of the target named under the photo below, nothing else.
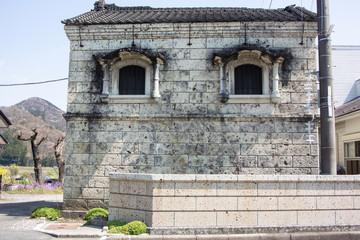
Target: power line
(32, 83)
(270, 4)
(262, 5)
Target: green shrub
(49, 213)
(96, 211)
(132, 228)
(24, 182)
(114, 223)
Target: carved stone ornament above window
(130, 76)
(245, 76)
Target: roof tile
(112, 14)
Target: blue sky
(34, 46)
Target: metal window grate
(132, 80)
(248, 79)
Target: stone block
(123, 201)
(177, 75)
(137, 137)
(105, 159)
(195, 189)
(344, 189)
(257, 203)
(99, 182)
(236, 219)
(316, 218)
(81, 148)
(315, 189)
(144, 203)
(137, 160)
(297, 203)
(277, 218)
(160, 219)
(174, 203)
(114, 186)
(335, 202)
(79, 204)
(216, 203)
(274, 161)
(93, 193)
(305, 161)
(257, 149)
(129, 215)
(160, 189)
(224, 149)
(285, 149)
(195, 219)
(172, 137)
(237, 189)
(133, 187)
(347, 217)
(273, 138)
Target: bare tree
(58, 147)
(35, 153)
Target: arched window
(132, 80)
(245, 77)
(130, 77)
(248, 79)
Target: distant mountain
(48, 112)
(42, 115)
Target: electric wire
(32, 83)
(262, 5)
(270, 4)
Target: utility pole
(327, 120)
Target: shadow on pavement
(24, 208)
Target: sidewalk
(76, 229)
(13, 211)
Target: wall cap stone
(230, 178)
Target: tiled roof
(3, 141)
(348, 107)
(112, 14)
(4, 118)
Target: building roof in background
(4, 121)
(3, 141)
(112, 14)
(348, 107)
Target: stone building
(187, 91)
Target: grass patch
(49, 213)
(96, 211)
(132, 228)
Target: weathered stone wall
(189, 130)
(213, 204)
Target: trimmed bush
(115, 223)
(49, 213)
(96, 211)
(132, 228)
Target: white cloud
(2, 63)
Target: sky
(34, 47)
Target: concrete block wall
(189, 131)
(218, 202)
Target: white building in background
(346, 73)
(346, 70)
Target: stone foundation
(195, 204)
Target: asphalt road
(15, 221)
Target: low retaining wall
(194, 204)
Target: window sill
(249, 99)
(127, 99)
